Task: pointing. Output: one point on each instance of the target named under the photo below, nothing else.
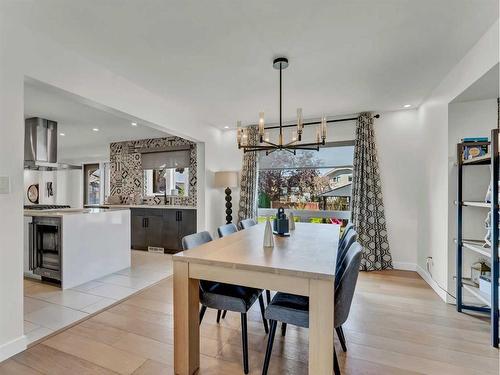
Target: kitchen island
(74, 246)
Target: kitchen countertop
(60, 212)
(159, 206)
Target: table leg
(186, 321)
(321, 305)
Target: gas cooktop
(45, 206)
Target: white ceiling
(486, 87)
(215, 56)
(76, 118)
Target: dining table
(302, 263)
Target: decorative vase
(268, 235)
(291, 221)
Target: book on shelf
(474, 139)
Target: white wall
(433, 201)
(21, 52)
(67, 186)
(467, 119)
(397, 135)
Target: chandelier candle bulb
(300, 122)
(239, 131)
(261, 124)
(323, 128)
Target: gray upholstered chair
(226, 230)
(344, 245)
(222, 296)
(294, 309)
(246, 223)
(347, 229)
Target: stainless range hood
(40, 145)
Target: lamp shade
(226, 179)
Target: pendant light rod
(281, 106)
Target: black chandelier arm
(270, 144)
(291, 143)
(300, 147)
(311, 144)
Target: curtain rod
(319, 122)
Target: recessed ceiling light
(226, 127)
(62, 134)
(407, 106)
(95, 129)
(133, 123)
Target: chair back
(344, 290)
(347, 229)
(349, 239)
(196, 239)
(246, 223)
(226, 230)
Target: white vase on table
(268, 235)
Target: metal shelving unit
(491, 299)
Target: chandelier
(295, 138)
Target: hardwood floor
(397, 326)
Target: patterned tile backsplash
(127, 174)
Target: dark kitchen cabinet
(138, 230)
(170, 235)
(161, 228)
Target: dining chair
(230, 297)
(347, 229)
(349, 239)
(246, 223)
(294, 309)
(226, 230)
(343, 246)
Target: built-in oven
(46, 248)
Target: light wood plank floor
(397, 326)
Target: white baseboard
(13, 347)
(404, 266)
(429, 280)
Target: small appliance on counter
(280, 223)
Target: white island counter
(95, 242)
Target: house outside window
(315, 185)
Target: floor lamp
(228, 180)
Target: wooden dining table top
(310, 251)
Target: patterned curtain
(368, 214)
(248, 179)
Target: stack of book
(474, 151)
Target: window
(96, 183)
(169, 181)
(92, 184)
(317, 183)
